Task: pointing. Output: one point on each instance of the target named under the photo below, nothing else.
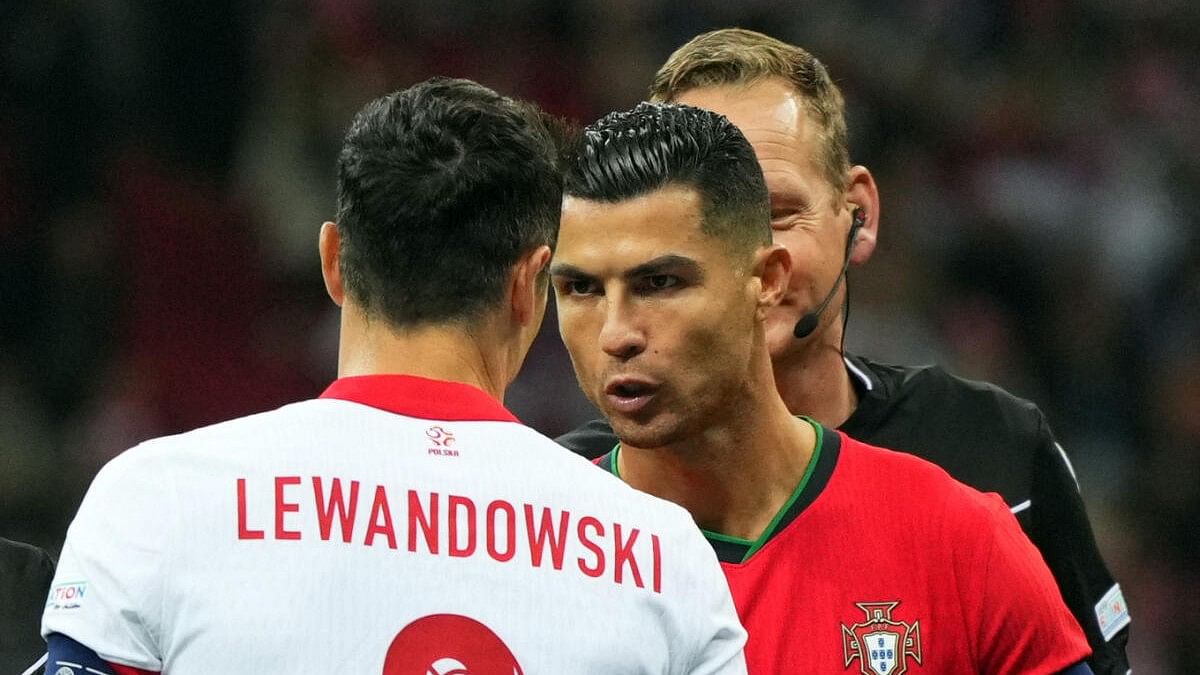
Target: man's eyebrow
(566, 270)
(663, 264)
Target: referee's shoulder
(19, 560)
(591, 440)
(943, 396)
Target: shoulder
(610, 494)
(590, 440)
(583, 476)
(933, 384)
(25, 562)
(299, 420)
(979, 432)
(147, 475)
(887, 465)
(929, 487)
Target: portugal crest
(881, 644)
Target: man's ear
(862, 193)
(773, 267)
(329, 243)
(527, 290)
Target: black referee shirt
(25, 575)
(990, 440)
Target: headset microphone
(808, 323)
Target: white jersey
(396, 525)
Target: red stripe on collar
(420, 397)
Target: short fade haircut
(655, 145)
(441, 188)
(739, 57)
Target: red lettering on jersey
(656, 549)
(623, 553)
(545, 533)
(325, 508)
(380, 508)
(428, 524)
(598, 568)
(453, 503)
(510, 531)
(245, 532)
(282, 507)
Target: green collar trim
(808, 472)
(756, 544)
(616, 452)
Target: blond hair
(735, 56)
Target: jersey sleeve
(107, 591)
(63, 652)
(717, 633)
(1061, 531)
(591, 440)
(1023, 626)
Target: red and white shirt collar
(420, 397)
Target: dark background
(164, 167)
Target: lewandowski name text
(452, 525)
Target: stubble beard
(662, 428)
(652, 435)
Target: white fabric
(157, 572)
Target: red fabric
(420, 397)
(951, 582)
(129, 670)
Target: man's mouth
(629, 395)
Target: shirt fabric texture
(395, 519)
(994, 442)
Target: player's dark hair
(628, 154)
(441, 188)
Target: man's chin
(639, 435)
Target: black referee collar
(872, 394)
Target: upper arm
(63, 651)
(107, 590)
(1023, 624)
(1062, 532)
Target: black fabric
(592, 440)
(25, 575)
(989, 439)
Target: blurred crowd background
(164, 167)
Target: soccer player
(827, 213)
(25, 573)
(405, 522)
(840, 555)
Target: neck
(733, 477)
(812, 379)
(439, 352)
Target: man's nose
(622, 335)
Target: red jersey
(881, 564)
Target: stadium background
(164, 168)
